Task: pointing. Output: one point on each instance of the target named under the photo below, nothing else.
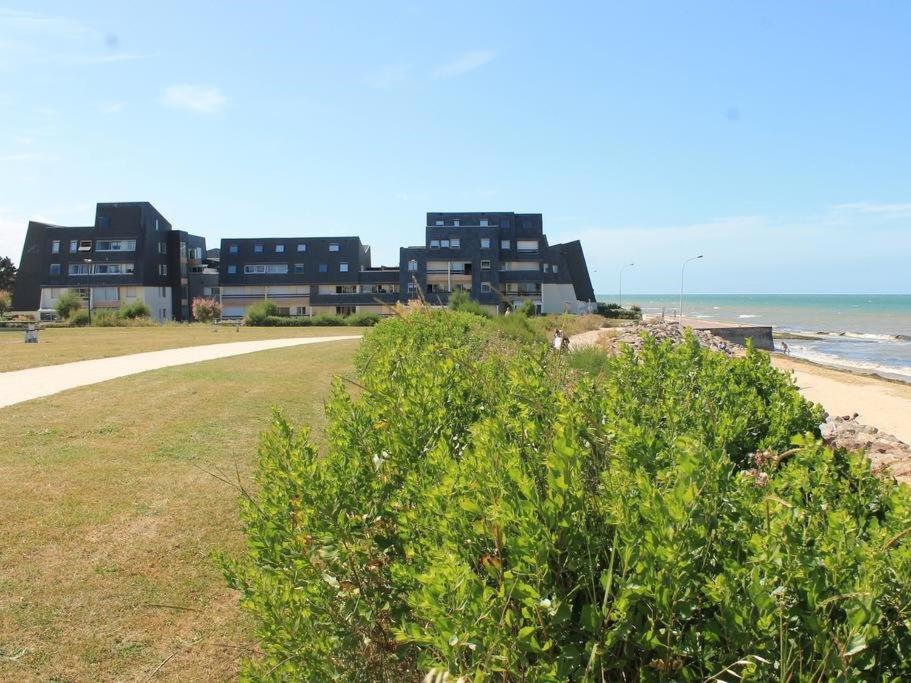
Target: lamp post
(682, 271)
(620, 293)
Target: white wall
(156, 302)
(554, 299)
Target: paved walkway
(24, 385)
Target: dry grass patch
(67, 344)
(109, 522)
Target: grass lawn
(66, 344)
(108, 523)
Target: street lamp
(620, 294)
(682, 271)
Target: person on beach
(785, 349)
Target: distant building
(304, 276)
(501, 259)
(130, 254)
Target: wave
(747, 315)
(824, 334)
(900, 372)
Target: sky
(774, 138)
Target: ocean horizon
(868, 333)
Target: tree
(206, 310)
(8, 272)
(6, 303)
(67, 305)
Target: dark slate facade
(130, 245)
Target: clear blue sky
(774, 137)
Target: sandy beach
(880, 403)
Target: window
(440, 223)
(163, 292)
(257, 249)
(113, 269)
(546, 267)
(527, 246)
(456, 222)
(162, 247)
(55, 247)
(115, 245)
(485, 264)
(301, 247)
(444, 244)
(485, 243)
(483, 223)
(162, 269)
(343, 267)
(411, 288)
(434, 244)
(266, 268)
(299, 310)
(74, 245)
(412, 265)
(504, 244)
(345, 310)
(455, 243)
(346, 289)
(556, 270)
(232, 270)
(78, 269)
(485, 288)
(55, 269)
(232, 249)
(323, 268)
(298, 267)
(333, 246)
(279, 248)
(106, 294)
(156, 224)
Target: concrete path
(24, 385)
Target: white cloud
(464, 63)
(203, 99)
(389, 76)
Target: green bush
(460, 300)
(137, 309)
(67, 304)
(362, 320)
(484, 510)
(258, 312)
(79, 318)
(106, 319)
(326, 320)
(6, 303)
(527, 309)
(611, 310)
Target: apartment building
(131, 253)
(503, 259)
(304, 276)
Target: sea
(867, 333)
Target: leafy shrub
(285, 321)
(362, 320)
(106, 319)
(258, 312)
(460, 300)
(612, 310)
(67, 304)
(482, 510)
(6, 303)
(137, 309)
(79, 318)
(527, 309)
(206, 310)
(326, 320)
(518, 326)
